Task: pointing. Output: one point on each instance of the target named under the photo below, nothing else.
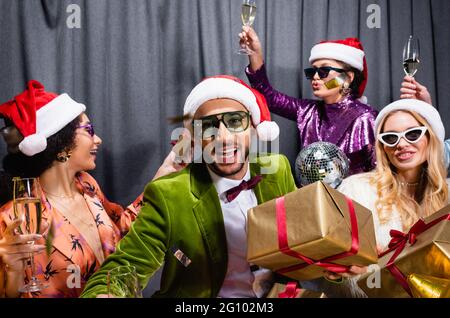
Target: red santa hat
(427, 111)
(38, 114)
(224, 86)
(349, 51)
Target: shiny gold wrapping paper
(318, 226)
(423, 286)
(430, 255)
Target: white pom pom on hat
(268, 130)
(225, 86)
(427, 111)
(33, 144)
(38, 114)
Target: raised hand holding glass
(27, 206)
(248, 14)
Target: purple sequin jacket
(349, 124)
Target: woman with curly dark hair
(50, 137)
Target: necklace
(66, 210)
(407, 184)
(62, 196)
(85, 224)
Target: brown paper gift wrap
(428, 255)
(318, 226)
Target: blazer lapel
(268, 188)
(208, 213)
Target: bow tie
(232, 193)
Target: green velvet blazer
(182, 211)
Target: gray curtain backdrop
(134, 62)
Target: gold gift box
(318, 226)
(430, 255)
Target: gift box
(310, 230)
(291, 290)
(424, 250)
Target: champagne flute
(411, 56)
(248, 14)
(27, 207)
(122, 282)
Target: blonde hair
(432, 192)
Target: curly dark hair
(20, 165)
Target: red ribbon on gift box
(398, 244)
(325, 263)
(291, 291)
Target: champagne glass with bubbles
(248, 14)
(27, 207)
(411, 56)
(122, 282)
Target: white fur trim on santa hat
(50, 119)
(217, 87)
(363, 99)
(268, 130)
(340, 52)
(427, 111)
(33, 144)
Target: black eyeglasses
(89, 128)
(234, 121)
(323, 71)
(412, 135)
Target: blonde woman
(409, 181)
(411, 88)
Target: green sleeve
(144, 246)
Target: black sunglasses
(89, 128)
(234, 121)
(323, 71)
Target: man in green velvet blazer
(182, 212)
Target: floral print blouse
(69, 262)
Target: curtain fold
(51, 12)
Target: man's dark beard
(217, 171)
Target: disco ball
(321, 161)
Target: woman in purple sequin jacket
(339, 116)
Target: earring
(346, 90)
(63, 156)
